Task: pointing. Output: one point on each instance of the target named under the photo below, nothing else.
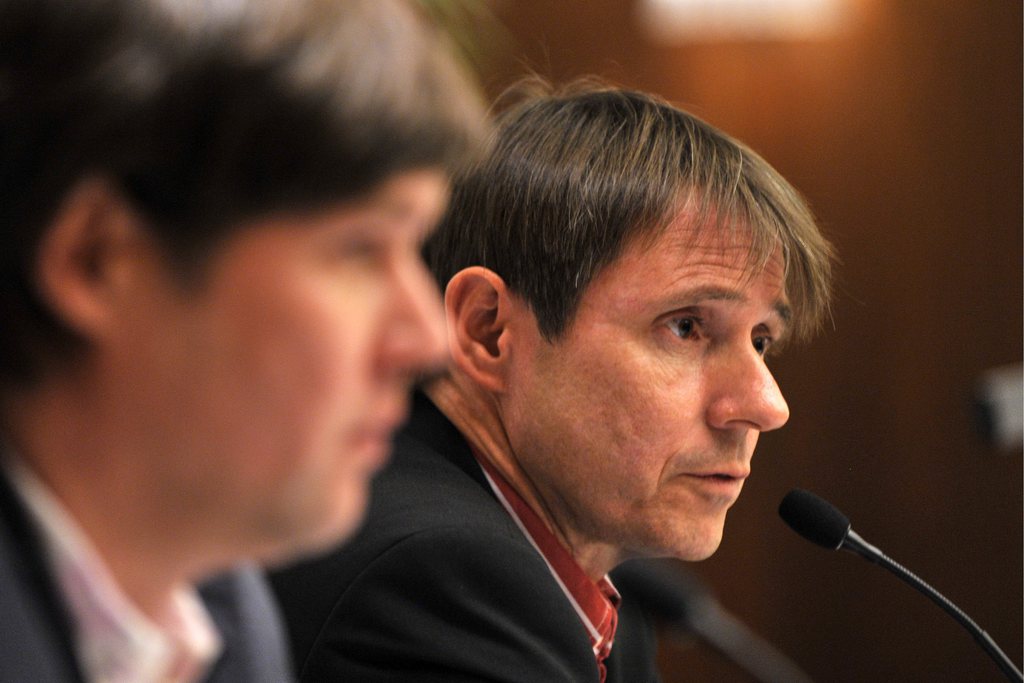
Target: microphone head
(814, 519)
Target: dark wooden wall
(905, 132)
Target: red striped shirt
(595, 603)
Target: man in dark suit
(212, 304)
(616, 272)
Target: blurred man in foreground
(212, 305)
(616, 273)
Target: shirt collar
(595, 603)
(115, 641)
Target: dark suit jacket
(35, 630)
(441, 585)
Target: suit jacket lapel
(35, 629)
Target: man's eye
(356, 248)
(684, 328)
(762, 344)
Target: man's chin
(702, 554)
(321, 536)
(695, 547)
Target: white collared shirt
(115, 641)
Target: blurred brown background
(902, 124)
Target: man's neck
(477, 415)
(64, 449)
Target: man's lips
(376, 436)
(387, 418)
(723, 474)
(372, 446)
(720, 485)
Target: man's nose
(415, 339)
(745, 393)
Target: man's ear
(83, 263)
(478, 308)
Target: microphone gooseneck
(821, 523)
(681, 601)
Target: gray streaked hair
(576, 174)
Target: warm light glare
(710, 20)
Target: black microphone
(821, 523)
(682, 602)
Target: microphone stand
(854, 543)
(821, 523)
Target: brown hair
(574, 175)
(206, 114)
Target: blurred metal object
(679, 600)
(999, 406)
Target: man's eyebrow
(712, 293)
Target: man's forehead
(682, 266)
(688, 231)
(681, 246)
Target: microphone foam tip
(815, 519)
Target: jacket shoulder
(452, 603)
